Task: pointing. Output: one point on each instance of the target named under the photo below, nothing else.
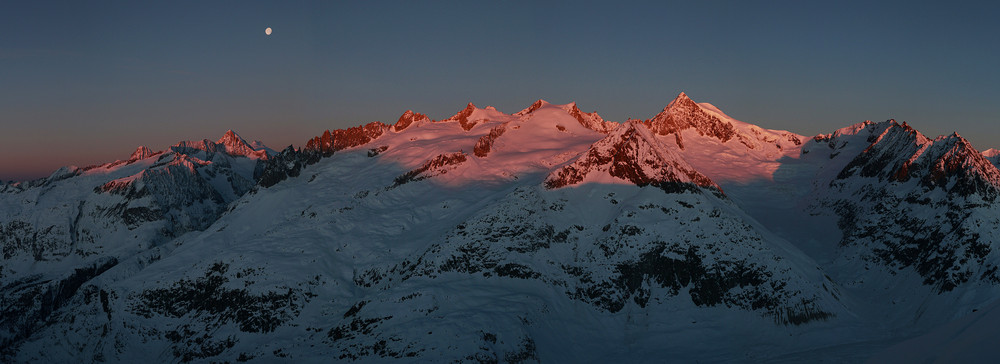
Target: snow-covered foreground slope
(60, 232)
(544, 235)
(898, 219)
(971, 339)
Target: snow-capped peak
(230, 143)
(899, 153)
(471, 116)
(853, 129)
(993, 156)
(142, 152)
(409, 117)
(534, 106)
(683, 113)
(631, 153)
(591, 120)
(232, 139)
(462, 117)
(233, 144)
(681, 99)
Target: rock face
(436, 166)
(288, 163)
(591, 120)
(235, 145)
(545, 235)
(916, 204)
(340, 139)
(141, 153)
(408, 118)
(230, 143)
(485, 143)
(462, 117)
(683, 113)
(633, 155)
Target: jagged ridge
(632, 154)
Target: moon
(267, 31)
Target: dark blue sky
(86, 82)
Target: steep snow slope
(993, 155)
(727, 150)
(920, 216)
(630, 155)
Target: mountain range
(549, 234)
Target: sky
(83, 83)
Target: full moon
(267, 31)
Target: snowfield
(546, 235)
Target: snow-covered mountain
(918, 219)
(60, 232)
(726, 149)
(548, 234)
(993, 155)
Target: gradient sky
(86, 82)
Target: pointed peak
(232, 144)
(534, 106)
(464, 113)
(231, 138)
(953, 136)
(409, 117)
(142, 152)
(590, 120)
(462, 117)
(851, 130)
(682, 104)
(683, 113)
(571, 108)
(633, 123)
(634, 126)
(413, 116)
(632, 154)
(682, 99)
